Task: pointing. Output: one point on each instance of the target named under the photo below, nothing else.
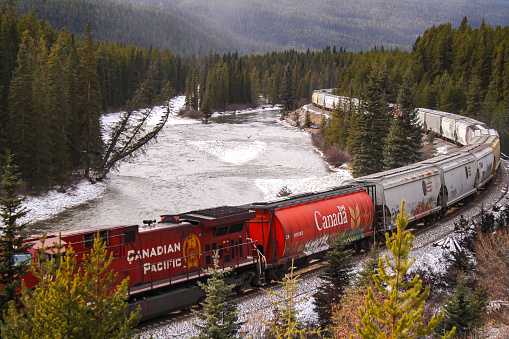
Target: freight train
(164, 260)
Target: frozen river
(235, 159)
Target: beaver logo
(191, 250)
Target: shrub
(337, 156)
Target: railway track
(255, 301)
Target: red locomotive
(164, 260)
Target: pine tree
(89, 124)
(372, 127)
(71, 302)
(12, 249)
(401, 312)
(286, 325)
(461, 255)
(219, 316)
(336, 276)
(404, 142)
(463, 310)
(287, 91)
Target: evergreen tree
(395, 151)
(369, 267)
(404, 142)
(401, 312)
(219, 316)
(372, 128)
(461, 257)
(12, 250)
(336, 276)
(287, 91)
(463, 310)
(286, 325)
(71, 302)
(307, 121)
(89, 120)
(487, 221)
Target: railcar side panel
(419, 186)
(449, 128)
(321, 100)
(485, 159)
(459, 177)
(434, 122)
(305, 229)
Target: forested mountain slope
(196, 26)
(141, 26)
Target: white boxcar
(449, 127)
(434, 121)
(321, 100)
(458, 173)
(418, 185)
(421, 118)
(331, 102)
(485, 163)
(465, 130)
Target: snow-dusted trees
(369, 129)
(401, 311)
(219, 316)
(403, 144)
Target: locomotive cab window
(220, 231)
(236, 228)
(88, 239)
(21, 257)
(130, 236)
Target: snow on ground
(233, 152)
(270, 187)
(56, 201)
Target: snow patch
(233, 152)
(49, 205)
(271, 187)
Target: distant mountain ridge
(195, 26)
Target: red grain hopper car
(300, 226)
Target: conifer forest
(55, 85)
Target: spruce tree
(89, 118)
(461, 257)
(401, 312)
(404, 142)
(487, 221)
(463, 310)
(372, 127)
(219, 316)
(336, 276)
(287, 91)
(369, 267)
(12, 249)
